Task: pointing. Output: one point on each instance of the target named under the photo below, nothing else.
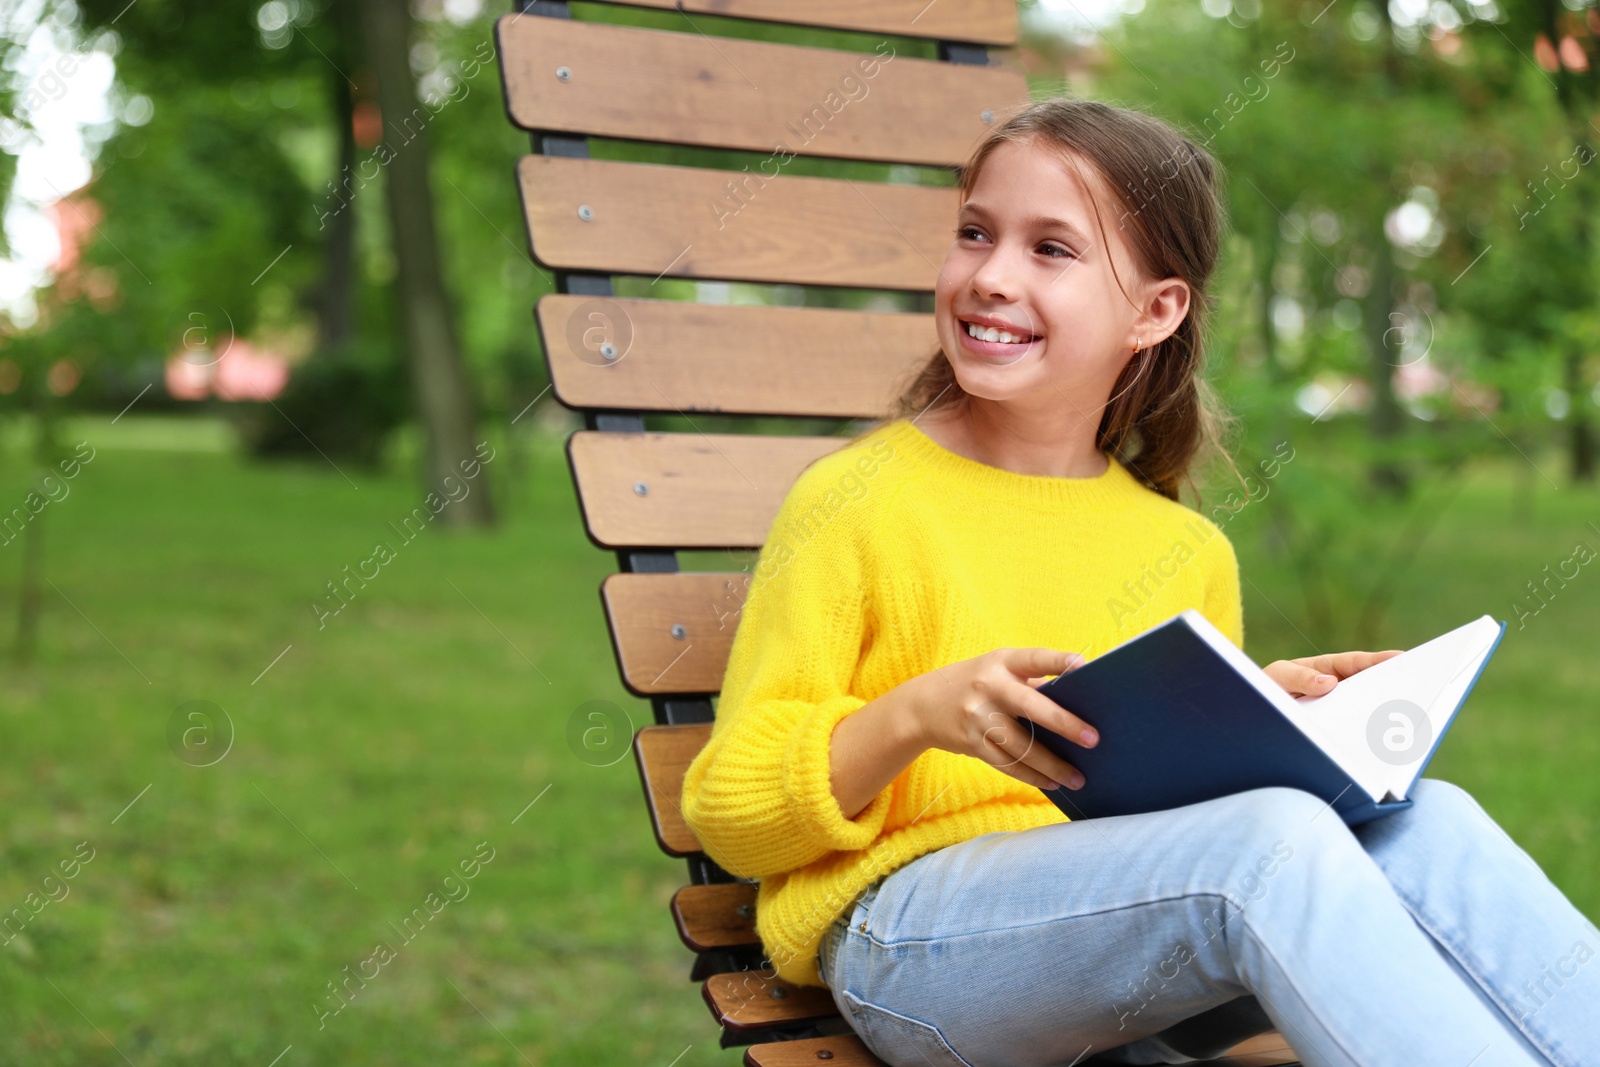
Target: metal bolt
(564, 74)
(988, 116)
(679, 632)
(585, 212)
(779, 993)
(824, 1054)
(747, 911)
(608, 350)
(640, 489)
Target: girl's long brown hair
(1162, 417)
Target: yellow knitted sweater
(889, 558)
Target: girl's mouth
(993, 342)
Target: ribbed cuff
(807, 780)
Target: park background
(208, 339)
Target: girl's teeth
(993, 333)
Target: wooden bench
(613, 357)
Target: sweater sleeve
(1223, 604)
(759, 796)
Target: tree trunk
(438, 375)
(1384, 417)
(1575, 105)
(336, 306)
(1580, 431)
(1266, 265)
(1523, 485)
(1581, 441)
(30, 593)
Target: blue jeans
(1423, 938)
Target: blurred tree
(13, 124)
(174, 238)
(310, 64)
(1568, 39)
(1362, 156)
(1529, 294)
(427, 321)
(336, 303)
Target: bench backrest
(610, 230)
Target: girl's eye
(1052, 248)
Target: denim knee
(1262, 829)
(1263, 816)
(1280, 802)
(1439, 797)
(1446, 815)
(1449, 817)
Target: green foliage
(235, 166)
(229, 206)
(1324, 127)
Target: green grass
(396, 739)
(425, 716)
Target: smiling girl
(867, 766)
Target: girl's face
(1027, 258)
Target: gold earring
(1138, 344)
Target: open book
(1184, 715)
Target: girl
(867, 767)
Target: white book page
(1380, 742)
(1432, 676)
(1403, 777)
(1252, 673)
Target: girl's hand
(971, 708)
(1312, 676)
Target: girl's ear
(1165, 307)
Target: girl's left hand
(1312, 676)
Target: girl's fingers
(1344, 664)
(1299, 678)
(1314, 683)
(1370, 659)
(1037, 707)
(1041, 663)
(1010, 748)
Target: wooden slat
(687, 88)
(716, 916)
(669, 355)
(1265, 1050)
(846, 1050)
(748, 1000)
(683, 356)
(992, 22)
(657, 220)
(663, 754)
(642, 609)
(700, 490)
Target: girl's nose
(996, 277)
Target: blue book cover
(1184, 716)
